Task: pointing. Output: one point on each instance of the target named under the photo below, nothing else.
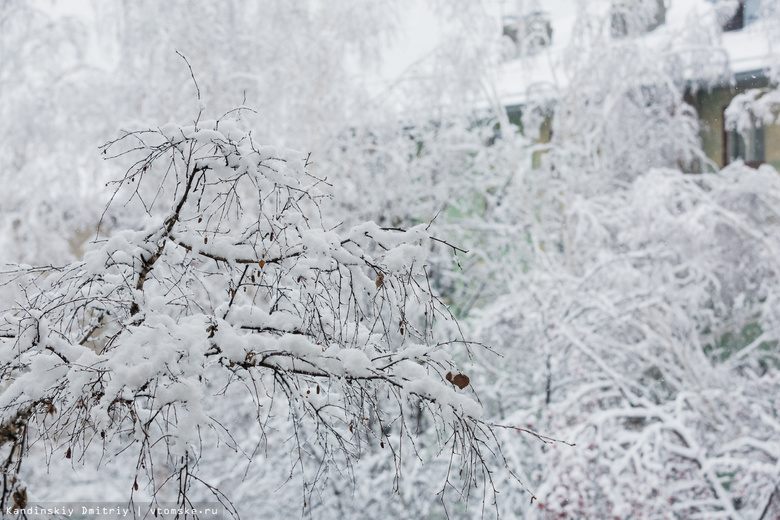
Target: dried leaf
(20, 499)
(461, 381)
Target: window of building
(746, 12)
(511, 27)
(737, 20)
(632, 17)
(747, 146)
(530, 32)
(538, 32)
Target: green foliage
(734, 341)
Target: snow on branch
(752, 108)
(232, 279)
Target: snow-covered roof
(749, 49)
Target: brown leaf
(261, 263)
(20, 498)
(68, 454)
(459, 380)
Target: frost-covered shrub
(651, 343)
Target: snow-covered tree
(649, 353)
(287, 60)
(232, 282)
(644, 326)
